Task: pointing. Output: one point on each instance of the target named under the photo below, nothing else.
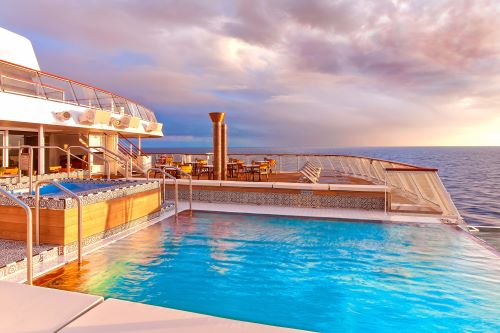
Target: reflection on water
(317, 275)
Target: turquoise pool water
(72, 186)
(326, 276)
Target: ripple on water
(318, 275)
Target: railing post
(176, 197)
(30, 169)
(68, 163)
(29, 234)
(176, 189)
(385, 192)
(41, 85)
(89, 165)
(79, 212)
(190, 192)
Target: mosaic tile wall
(305, 199)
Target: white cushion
(246, 184)
(196, 182)
(301, 186)
(358, 188)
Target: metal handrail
(176, 188)
(29, 234)
(190, 183)
(134, 109)
(106, 162)
(371, 159)
(116, 157)
(37, 212)
(121, 136)
(414, 182)
(57, 148)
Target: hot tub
(108, 207)
(89, 186)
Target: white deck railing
(17, 79)
(412, 188)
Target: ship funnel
(217, 120)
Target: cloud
(287, 72)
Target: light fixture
(62, 115)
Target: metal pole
(176, 189)
(385, 192)
(37, 218)
(19, 173)
(190, 192)
(176, 197)
(79, 212)
(223, 140)
(5, 151)
(89, 165)
(30, 169)
(29, 235)
(80, 229)
(41, 151)
(190, 184)
(164, 188)
(68, 163)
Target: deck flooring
(12, 251)
(295, 177)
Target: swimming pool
(74, 186)
(327, 276)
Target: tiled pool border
(303, 198)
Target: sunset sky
(287, 72)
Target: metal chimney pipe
(224, 151)
(217, 119)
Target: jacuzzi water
(326, 276)
(76, 187)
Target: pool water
(327, 276)
(50, 189)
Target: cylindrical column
(223, 135)
(41, 151)
(5, 151)
(217, 118)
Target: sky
(288, 73)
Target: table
(206, 168)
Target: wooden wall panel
(60, 227)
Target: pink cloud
(325, 68)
